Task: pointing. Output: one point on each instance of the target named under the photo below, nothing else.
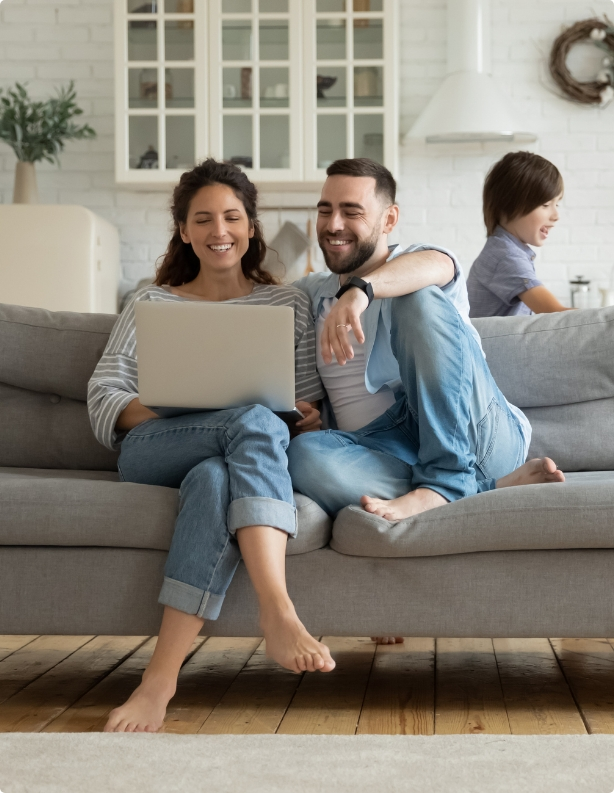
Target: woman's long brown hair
(180, 264)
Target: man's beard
(363, 251)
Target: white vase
(25, 190)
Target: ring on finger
(343, 326)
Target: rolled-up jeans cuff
(258, 511)
(190, 599)
(484, 485)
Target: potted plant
(37, 131)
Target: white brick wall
(47, 42)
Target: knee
(261, 420)
(418, 306)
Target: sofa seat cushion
(93, 508)
(578, 513)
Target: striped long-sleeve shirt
(114, 383)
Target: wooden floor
(422, 687)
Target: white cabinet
(281, 87)
(62, 258)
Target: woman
(230, 465)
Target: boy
(521, 196)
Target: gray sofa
(82, 553)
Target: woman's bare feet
(539, 471)
(289, 643)
(145, 709)
(387, 639)
(420, 500)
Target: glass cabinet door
(350, 93)
(160, 79)
(254, 65)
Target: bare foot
(534, 472)
(420, 500)
(387, 639)
(289, 643)
(144, 710)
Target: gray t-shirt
(504, 269)
(114, 383)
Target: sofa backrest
(46, 360)
(559, 368)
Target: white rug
(98, 763)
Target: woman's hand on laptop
(344, 315)
(312, 421)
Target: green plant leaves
(37, 130)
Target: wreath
(599, 91)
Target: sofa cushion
(92, 508)
(551, 359)
(578, 513)
(580, 437)
(54, 352)
(48, 431)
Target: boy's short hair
(362, 166)
(516, 185)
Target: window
(280, 87)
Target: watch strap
(354, 281)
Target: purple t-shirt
(504, 269)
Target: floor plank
(537, 697)
(468, 691)
(330, 703)
(90, 713)
(34, 659)
(9, 644)
(204, 680)
(588, 665)
(256, 701)
(49, 695)
(401, 690)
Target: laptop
(194, 356)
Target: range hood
(468, 106)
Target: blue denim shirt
(504, 269)
(382, 369)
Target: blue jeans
(450, 430)
(232, 471)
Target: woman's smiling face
(218, 228)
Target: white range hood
(468, 106)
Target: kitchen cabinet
(280, 87)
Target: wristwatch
(365, 286)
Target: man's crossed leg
(449, 436)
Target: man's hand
(312, 420)
(345, 314)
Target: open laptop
(194, 356)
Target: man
(419, 420)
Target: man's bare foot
(387, 639)
(534, 472)
(289, 643)
(145, 709)
(420, 500)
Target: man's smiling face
(352, 223)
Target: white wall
(48, 42)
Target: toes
(309, 663)
(318, 661)
(549, 465)
(300, 663)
